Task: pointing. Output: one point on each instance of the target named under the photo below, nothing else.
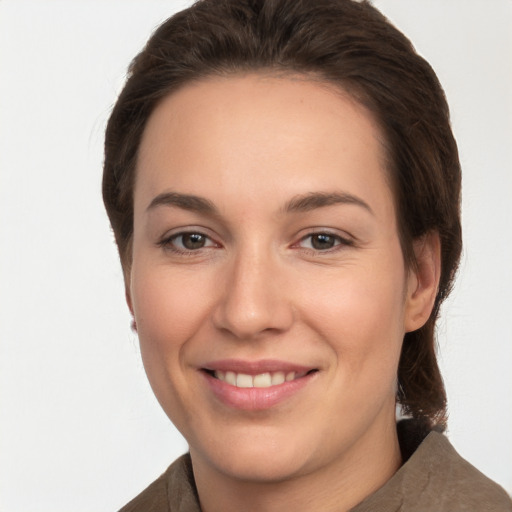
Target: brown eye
(187, 242)
(191, 241)
(323, 241)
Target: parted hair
(349, 44)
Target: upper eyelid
(169, 239)
(340, 238)
(175, 232)
(345, 240)
(184, 233)
(168, 243)
(343, 235)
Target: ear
(128, 297)
(423, 281)
(127, 277)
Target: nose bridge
(254, 300)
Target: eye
(323, 241)
(184, 242)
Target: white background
(80, 429)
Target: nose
(254, 299)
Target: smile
(262, 380)
(258, 385)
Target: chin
(263, 468)
(260, 458)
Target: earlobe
(423, 281)
(129, 302)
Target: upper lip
(256, 367)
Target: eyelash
(168, 243)
(339, 242)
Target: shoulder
(151, 499)
(458, 484)
(435, 478)
(438, 479)
(174, 491)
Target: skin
(260, 288)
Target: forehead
(242, 131)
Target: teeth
(262, 380)
(244, 381)
(277, 378)
(230, 378)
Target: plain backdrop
(80, 429)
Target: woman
(284, 189)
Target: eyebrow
(301, 203)
(184, 201)
(313, 200)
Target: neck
(336, 487)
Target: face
(268, 283)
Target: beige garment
(434, 479)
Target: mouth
(260, 380)
(256, 386)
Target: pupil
(322, 241)
(193, 241)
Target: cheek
(168, 308)
(360, 311)
(169, 311)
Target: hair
(343, 42)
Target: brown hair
(343, 42)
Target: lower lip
(256, 399)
